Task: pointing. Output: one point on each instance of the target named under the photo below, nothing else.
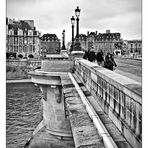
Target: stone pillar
(54, 110)
(48, 78)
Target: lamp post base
(77, 46)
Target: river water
(23, 113)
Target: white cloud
(54, 15)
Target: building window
(20, 41)
(15, 32)
(11, 48)
(15, 41)
(25, 49)
(136, 50)
(11, 32)
(20, 49)
(33, 40)
(30, 33)
(11, 40)
(33, 48)
(30, 48)
(30, 40)
(20, 32)
(15, 48)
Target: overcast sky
(52, 16)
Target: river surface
(23, 113)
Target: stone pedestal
(48, 79)
(54, 110)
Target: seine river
(23, 113)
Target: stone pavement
(129, 75)
(83, 129)
(117, 136)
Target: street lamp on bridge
(72, 22)
(63, 40)
(77, 46)
(77, 13)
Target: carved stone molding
(44, 92)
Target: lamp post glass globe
(72, 20)
(77, 11)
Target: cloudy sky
(52, 16)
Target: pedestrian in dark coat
(91, 56)
(112, 57)
(86, 55)
(99, 57)
(109, 62)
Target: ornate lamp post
(63, 42)
(77, 13)
(72, 22)
(136, 47)
(77, 46)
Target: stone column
(54, 110)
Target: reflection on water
(23, 113)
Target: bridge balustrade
(119, 97)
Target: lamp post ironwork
(63, 40)
(77, 46)
(136, 47)
(77, 13)
(72, 22)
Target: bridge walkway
(117, 136)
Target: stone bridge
(119, 97)
(95, 106)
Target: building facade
(50, 44)
(107, 42)
(22, 38)
(83, 41)
(134, 46)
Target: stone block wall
(119, 97)
(16, 69)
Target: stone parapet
(83, 129)
(119, 96)
(18, 69)
(57, 65)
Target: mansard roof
(108, 36)
(19, 25)
(82, 36)
(49, 37)
(92, 33)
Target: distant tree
(31, 56)
(20, 56)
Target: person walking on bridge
(109, 62)
(100, 57)
(86, 55)
(91, 56)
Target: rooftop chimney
(87, 33)
(107, 31)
